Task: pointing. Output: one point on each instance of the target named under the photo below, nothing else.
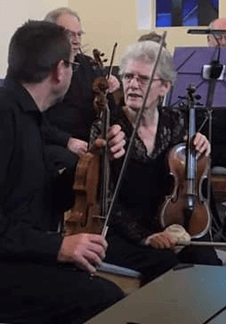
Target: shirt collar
(22, 96)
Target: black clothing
(151, 262)
(27, 201)
(144, 186)
(74, 116)
(37, 293)
(75, 113)
(218, 140)
(52, 134)
(142, 190)
(34, 288)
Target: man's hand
(161, 240)
(84, 250)
(77, 146)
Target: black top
(27, 212)
(218, 134)
(219, 138)
(146, 181)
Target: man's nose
(134, 82)
(75, 40)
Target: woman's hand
(115, 141)
(201, 143)
(162, 240)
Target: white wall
(107, 21)
(14, 13)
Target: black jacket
(28, 217)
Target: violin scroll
(98, 58)
(100, 90)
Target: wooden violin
(88, 212)
(186, 205)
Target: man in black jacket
(44, 278)
(75, 114)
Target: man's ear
(165, 87)
(58, 72)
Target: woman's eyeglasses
(141, 79)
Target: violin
(186, 205)
(91, 191)
(118, 93)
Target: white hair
(147, 51)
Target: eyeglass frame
(74, 65)
(73, 34)
(220, 36)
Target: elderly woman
(135, 238)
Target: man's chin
(57, 100)
(60, 99)
(75, 51)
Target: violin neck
(191, 168)
(104, 189)
(191, 154)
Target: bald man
(219, 23)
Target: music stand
(189, 62)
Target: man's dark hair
(35, 50)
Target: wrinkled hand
(161, 240)
(113, 83)
(77, 146)
(201, 143)
(115, 140)
(84, 250)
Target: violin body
(88, 212)
(175, 209)
(84, 217)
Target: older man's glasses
(74, 65)
(141, 79)
(74, 35)
(220, 37)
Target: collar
(21, 95)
